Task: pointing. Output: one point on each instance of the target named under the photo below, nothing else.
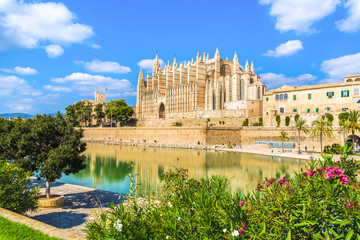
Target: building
(99, 98)
(311, 101)
(203, 88)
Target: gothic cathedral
(202, 89)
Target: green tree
(300, 125)
(119, 110)
(353, 124)
(283, 138)
(15, 194)
(343, 117)
(52, 147)
(99, 113)
(287, 121)
(321, 127)
(71, 115)
(278, 120)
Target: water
(107, 167)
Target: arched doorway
(162, 111)
(349, 141)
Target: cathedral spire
(192, 60)
(217, 54)
(252, 67)
(207, 57)
(198, 57)
(236, 64)
(204, 57)
(247, 66)
(174, 63)
(141, 77)
(156, 66)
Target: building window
(308, 110)
(281, 97)
(345, 93)
(317, 110)
(282, 110)
(330, 94)
(328, 108)
(356, 91)
(267, 113)
(277, 97)
(294, 110)
(285, 96)
(294, 97)
(258, 93)
(344, 109)
(309, 96)
(267, 99)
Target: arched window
(214, 102)
(277, 97)
(281, 97)
(285, 96)
(225, 70)
(258, 93)
(356, 91)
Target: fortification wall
(211, 136)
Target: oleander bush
(14, 192)
(320, 202)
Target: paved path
(78, 207)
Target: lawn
(11, 230)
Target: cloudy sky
(53, 53)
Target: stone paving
(78, 208)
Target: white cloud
(35, 24)
(285, 49)
(57, 88)
(87, 83)
(352, 22)
(20, 70)
(101, 67)
(343, 66)
(95, 46)
(147, 64)
(299, 15)
(15, 86)
(54, 50)
(273, 80)
(21, 105)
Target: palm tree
(353, 124)
(300, 125)
(343, 117)
(321, 127)
(283, 138)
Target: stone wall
(213, 135)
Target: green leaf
(349, 235)
(289, 235)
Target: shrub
(14, 193)
(260, 121)
(178, 124)
(329, 116)
(343, 116)
(336, 148)
(245, 123)
(327, 149)
(297, 116)
(287, 121)
(278, 120)
(230, 146)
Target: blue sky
(53, 53)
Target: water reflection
(108, 169)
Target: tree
(99, 113)
(321, 127)
(283, 138)
(52, 147)
(343, 117)
(353, 124)
(300, 125)
(71, 115)
(245, 123)
(15, 194)
(119, 110)
(278, 120)
(287, 121)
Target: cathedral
(205, 88)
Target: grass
(11, 231)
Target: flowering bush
(321, 202)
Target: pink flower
(281, 181)
(305, 174)
(350, 207)
(311, 172)
(244, 225)
(241, 203)
(328, 175)
(344, 180)
(320, 169)
(241, 231)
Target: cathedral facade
(204, 88)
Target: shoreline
(275, 152)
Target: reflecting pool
(107, 167)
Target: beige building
(99, 98)
(311, 101)
(203, 88)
